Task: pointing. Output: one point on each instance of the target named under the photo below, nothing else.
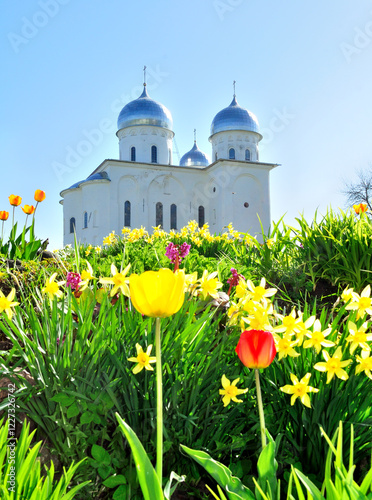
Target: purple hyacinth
(176, 253)
(234, 280)
(73, 280)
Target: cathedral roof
(234, 117)
(194, 157)
(145, 111)
(92, 177)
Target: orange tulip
(4, 215)
(361, 208)
(39, 195)
(28, 209)
(256, 348)
(15, 200)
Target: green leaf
(147, 477)
(115, 480)
(86, 417)
(234, 487)
(121, 493)
(309, 485)
(63, 399)
(101, 455)
(266, 467)
(104, 471)
(72, 411)
(168, 491)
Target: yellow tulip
(157, 294)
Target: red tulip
(361, 208)
(39, 195)
(15, 200)
(28, 209)
(256, 348)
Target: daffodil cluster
(252, 309)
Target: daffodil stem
(159, 404)
(260, 408)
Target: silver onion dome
(145, 111)
(234, 117)
(194, 157)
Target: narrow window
(154, 154)
(247, 155)
(132, 153)
(159, 214)
(85, 220)
(215, 157)
(173, 216)
(170, 156)
(72, 224)
(127, 214)
(231, 154)
(201, 216)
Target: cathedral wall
(142, 139)
(240, 141)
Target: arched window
(72, 224)
(154, 154)
(159, 214)
(247, 155)
(215, 157)
(231, 154)
(173, 216)
(132, 153)
(170, 156)
(127, 214)
(201, 216)
(85, 222)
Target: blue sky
(69, 66)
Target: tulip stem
(159, 404)
(260, 408)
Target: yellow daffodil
(259, 292)
(270, 242)
(317, 338)
(289, 323)
(143, 359)
(230, 391)
(284, 346)
(157, 294)
(358, 336)
(241, 289)
(333, 366)
(300, 389)
(347, 295)
(119, 280)
(191, 282)
(6, 303)
(365, 363)
(208, 285)
(52, 288)
(362, 303)
(233, 313)
(86, 276)
(98, 250)
(302, 327)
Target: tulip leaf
(266, 467)
(235, 489)
(147, 477)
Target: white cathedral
(145, 188)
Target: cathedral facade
(144, 188)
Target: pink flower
(73, 280)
